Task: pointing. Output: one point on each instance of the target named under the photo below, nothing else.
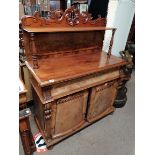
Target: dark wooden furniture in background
(74, 82)
(23, 70)
(22, 95)
(24, 124)
(25, 76)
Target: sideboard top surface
(63, 68)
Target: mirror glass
(95, 7)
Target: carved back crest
(71, 17)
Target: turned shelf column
(34, 52)
(111, 42)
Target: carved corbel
(121, 97)
(34, 52)
(47, 93)
(125, 75)
(49, 117)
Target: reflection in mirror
(98, 8)
(95, 7)
(82, 5)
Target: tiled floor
(112, 135)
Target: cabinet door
(70, 113)
(101, 100)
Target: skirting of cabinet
(51, 142)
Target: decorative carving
(55, 16)
(47, 117)
(125, 75)
(105, 85)
(47, 93)
(71, 97)
(47, 113)
(33, 49)
(111, 42)
(121, 97)
(127, 70)
(71, 17)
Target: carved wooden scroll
(71, 17)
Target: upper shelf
(64, 29)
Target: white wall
(112, 7)
(120, 16)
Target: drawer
(79, 84)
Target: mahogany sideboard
(24, 124)
(74, 82)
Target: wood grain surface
(62, 68)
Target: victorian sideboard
(74, 82)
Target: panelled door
(101, 100)
(70, 113)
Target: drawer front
(79, 84)
(101, 100)
(70, 114)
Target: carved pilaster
(34, 51)
(53, 115)
(47, 120)
(111, 42)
